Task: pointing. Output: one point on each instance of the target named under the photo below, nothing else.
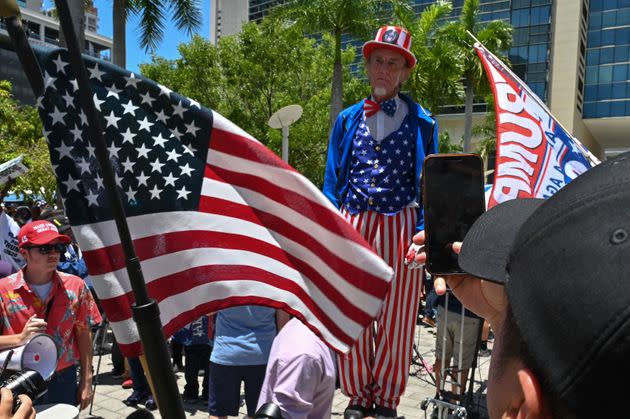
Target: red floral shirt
(72, 306)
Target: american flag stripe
(312, 235)
(246, 156)
(192, 266)
(167, 242)
(216, 219)
(161, 273)
(226, 294)
(155, 239)
(242, 203)
(403, 39)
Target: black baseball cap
(565, 263)
(61, 222)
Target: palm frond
(430, 19)
(468, 18)
(187, 14)
(151, 23)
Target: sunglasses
(47, 248)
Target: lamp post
(282, 119)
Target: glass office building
(607, 81)
(531, 20)
(259, 8)
(574, 54)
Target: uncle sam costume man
(375, 156)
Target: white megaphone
(38, 354)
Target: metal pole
(285, 144)
(146, 312)
(443, 363)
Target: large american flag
(216, 218)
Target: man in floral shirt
(40, 299)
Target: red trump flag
(535, 155)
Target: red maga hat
(393, 38)
(38, 233)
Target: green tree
(436, 79)
(21, 134)
(249, 76)
(495, 35)
(487, 131)
(446, 145)
(196, 73)
(270, 65)
(185, 13)
(356, 18)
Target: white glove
(411, 256)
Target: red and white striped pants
(376, 369)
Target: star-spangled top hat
(393, 38)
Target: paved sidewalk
(109, 394)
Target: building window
(607, 82)
(51, 36)
(531, 38)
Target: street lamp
(281, 119)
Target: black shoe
(189, 398)
(382, 412)
(355, 411)
(150, 403)
(135, 398)
(117, 374)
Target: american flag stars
(371, 171)
(151, 136)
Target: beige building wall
(567, 68)
(454, 125)
(227, 17)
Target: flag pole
(585, 151)
(10, 11)
(146, 312)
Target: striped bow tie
(370, 107)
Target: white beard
(379, 91)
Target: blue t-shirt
(194, 333)
(243, 335)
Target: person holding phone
(373, 167)
(534, 269)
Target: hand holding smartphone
(453, 198)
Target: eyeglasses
(47, 248)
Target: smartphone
(453, 198)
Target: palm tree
(357, 18)
(446, 145)
(186, 14)
(435, 80)
(495, 35)
(487, 131)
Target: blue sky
(168, 46)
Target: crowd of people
(549, 277)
